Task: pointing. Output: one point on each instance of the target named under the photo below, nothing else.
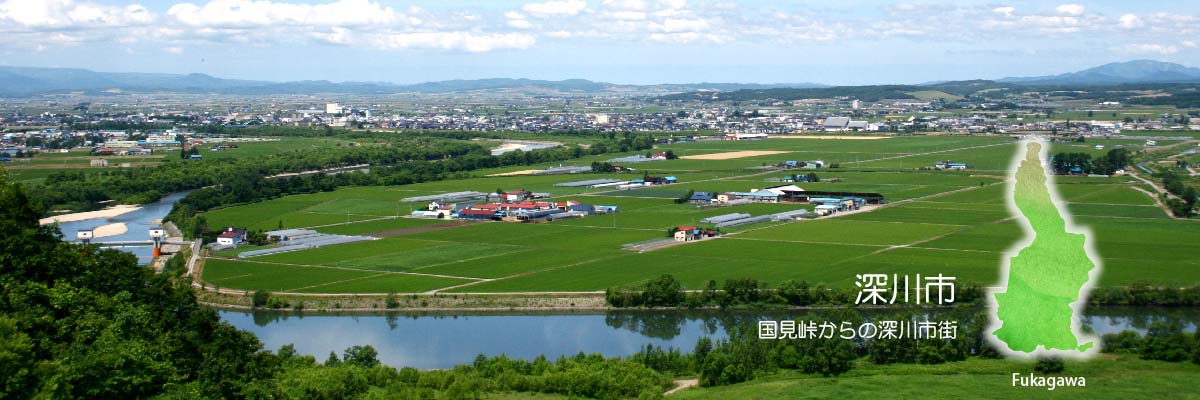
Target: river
(446, 340)
(138, 223)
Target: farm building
(826, 209)
(783, 189)
(757, 196)
(537, 215)
(722, 218)
(231, 236)
(690, 233)
(807, 196)
(701, 197)
(476, 214)
(516, 195)
(450, 197)
(607, 209)
(950, 165)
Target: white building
(333, 108)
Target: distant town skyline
(618, 41)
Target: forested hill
(864, 93)
(1182, 95)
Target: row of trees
(1185, 205)
(666, 291)
(1110, 162)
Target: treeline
(1185, 205)
(1164, 341)
(1110, 162)
(77, 190)
(744, 356)
(1144, 294)
(666, 291)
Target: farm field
(954, 223)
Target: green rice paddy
(949, 222)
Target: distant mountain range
(1139, 71)
(24, 81)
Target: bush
(1124, 342)
(1167, 342)
(260, 298)
(1049, 365)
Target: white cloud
(627, 5)
(68, 13)
(671, 25)
(672, 4)
(555, 7)
(336, 35)
(173, 50)
(1072, 9)
(1149, 49)
(1129, 21)
(240, 13)
(455, 41)
(1005, 11)
(517, 20)
(1188, 43)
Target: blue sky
(622, 41)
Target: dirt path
(1157, 201)
(681, 384)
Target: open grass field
(949, 222)
(1110, 377)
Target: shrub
(1049, 365)
(260, 298)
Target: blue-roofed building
(701, 197)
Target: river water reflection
(444, 340)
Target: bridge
(138, 243)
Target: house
(701, 198)
(813, 164)
(231, 236)
(686, 233)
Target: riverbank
(404, 303)
(80, 216)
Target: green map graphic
(1046, 276)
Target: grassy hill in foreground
(1108, 377)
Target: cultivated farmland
(934, 221)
